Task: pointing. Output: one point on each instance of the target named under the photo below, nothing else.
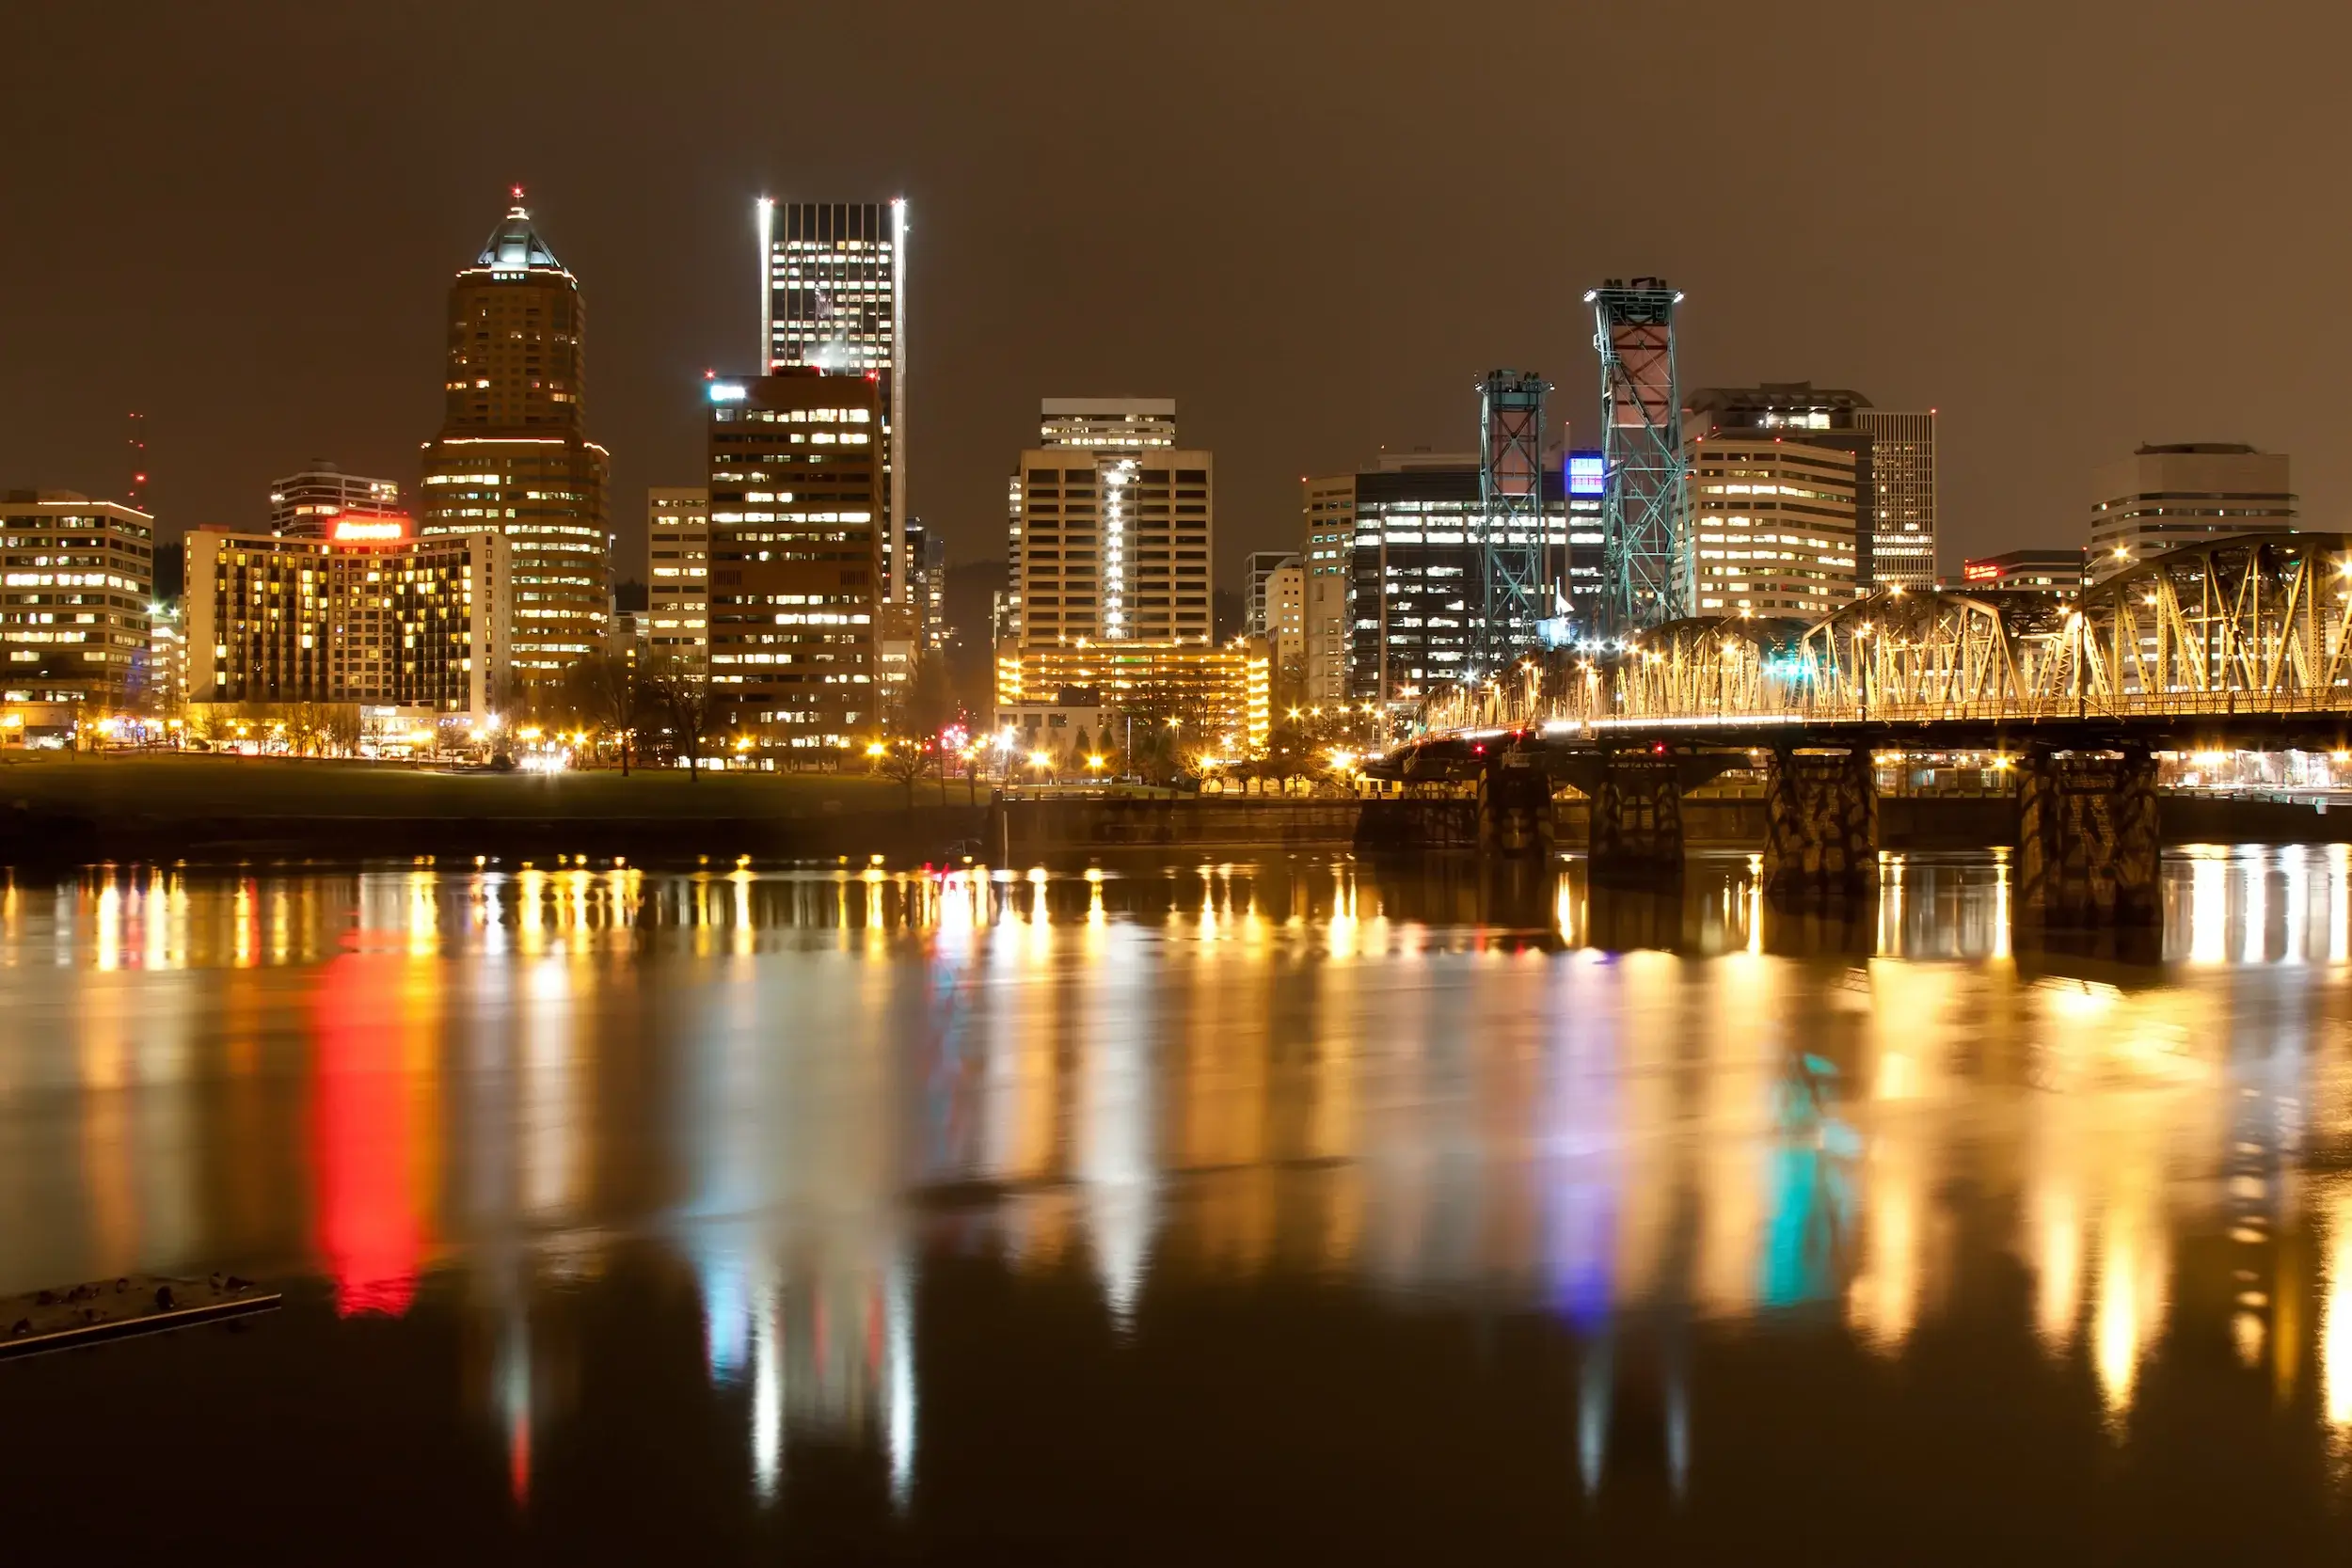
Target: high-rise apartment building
(1771, 525)
(2163, 496)
(1111, 542)
(795, 502)
(1413, 570)
(677, 580)
(161, 686)
(1902, 498)
(76, 578)
(513, 453)
(401, 622)
(1285, 635)
(307, 506)
(834, 297)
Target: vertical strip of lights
(1116, 475)
(902, 579)
(766, 218)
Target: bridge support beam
(2087, 843)
(1514, 811)
(1821, 823)
(1637, 816)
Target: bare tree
(681, 694)
(905, 761)
(606, 691)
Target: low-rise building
(2059, 571)
(1217, 697)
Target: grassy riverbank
(150, 806)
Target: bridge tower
(1514, 591)
(1647, 565)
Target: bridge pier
(1821, 822)
(1515, 812)
(1637, 816)
(2087, 841)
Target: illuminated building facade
(1771, 525)
(796, 499)
(307, 505)
(76, 581)
(833, 297)
(161, 683)
(678, 591)
(512, 455)
(1415, 569)
(1110, 543)
(927, 560)
(1219, 695)
(1902, 497)
(401, 621)
(2164, 496)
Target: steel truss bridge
(2212, 640)
(2242, 642)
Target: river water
(1287, 1210)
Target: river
(1265, 1211)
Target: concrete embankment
(1905, 822)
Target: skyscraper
(833, 297)
(796, 489)
(1771, 525)
(1329, 508)
(1902, 498)
(308, 504)
(513, 453)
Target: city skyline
(1022, 290)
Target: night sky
(2070, 227)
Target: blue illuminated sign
(1586, 474)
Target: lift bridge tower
(1515, 591)
(1646, 573)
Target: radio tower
(1511, 517)
(1646, 566)
(136, 498)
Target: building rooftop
(2202, 448)
(515, 246)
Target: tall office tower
(796, 502)
(2163, 496)
(1258, 569)
(1771, 525)
(513, 453)
(75, 620)
(1330, 512)
(308, 504)
(1902, 498)
(834, 297)
(382, 620)
(1824, 417)
(1111, 542)
(677, 582)
(1416, 567)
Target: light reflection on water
(1644, 1115)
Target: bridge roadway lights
(2087, 840)
(1821, 823)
